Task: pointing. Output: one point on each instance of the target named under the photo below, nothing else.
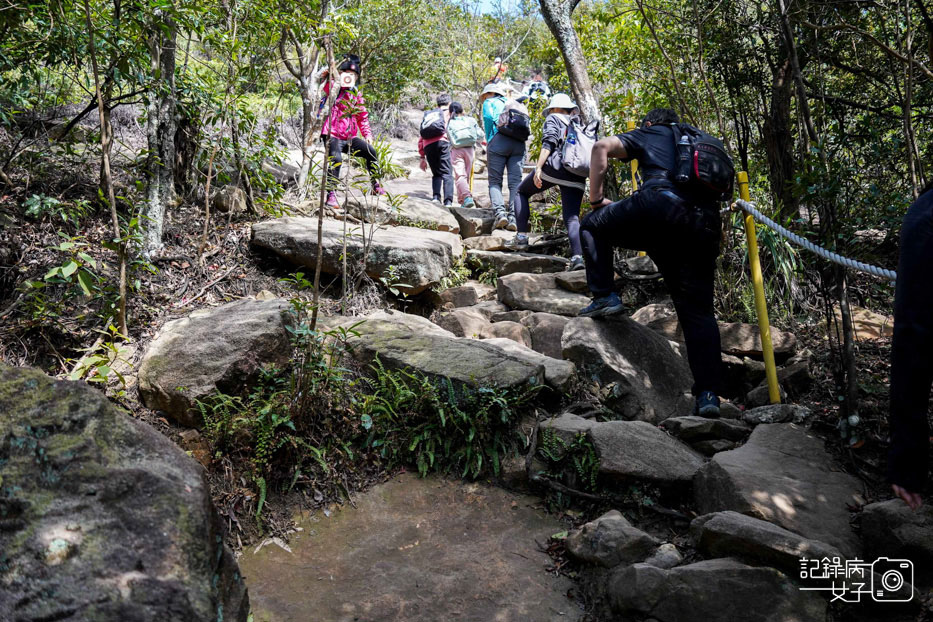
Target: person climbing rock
(463, 133)
(347, 126)
(434, 149)
(680, 234)
(503, 154)
(548, 173)
(911, 364)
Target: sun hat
(560, 100)
(494, 87)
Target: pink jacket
(422, 142)
(348, 117)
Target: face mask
(347, 79)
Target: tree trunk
(779, 142)
(556, 14)
(161, 127)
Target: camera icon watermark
(884, 580)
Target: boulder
(867, 325)
(610, 540)
(794, 379)
(546, 331)
(101, 516)
(693, 428)
(777, 413)
(653, 313)
(638, 374)
(784, 475)
(511, 316)
(730, 534)
(420, 258)
(411, 322)
(489, 308)
(641, 266)
(486, 242)
(573, 281)
(216, 349)
(468, 294)
(473, 222)
(539, 292)
(509, 263)
(891, 529)
(715, 590)
(728, 410)
(761, 396)
(712, 447)
(229, 199)
(665, 556)
(737, 338)
(636, 450)
(466, 361)
(512, 331)
(558, 374)
(465, 322)
(412, 212)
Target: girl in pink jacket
(345, 120)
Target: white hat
(560, 100)
(495, 87)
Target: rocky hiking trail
(687, 519)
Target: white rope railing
(750, 208)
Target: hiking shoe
(332, 200)
(511, 226)
(377, 188)
(518, 243)
(436, 200)
(576, 263)
(501, 220)
(448, 203)
(603, 306)
(707, 405)
(468, 202)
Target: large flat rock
(715, 590)
(891, 529)
(415, 550)
(539, 292)
(784, 475)
(503, 263)
(433, 353)
(473, 221)
(637, 372)
(411, 211)
(737, 338)
(101, 516)
(557, 373)
(420, 257)
(220, 349)
(636, 450)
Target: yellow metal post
(634, 163)
(764, 327)
(472, 170)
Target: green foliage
(458, 275)
(576, 460)
(39, 206)
(438, 425)
(100, 360)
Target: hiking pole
(761, 306)
(634, 163)
(472, 170)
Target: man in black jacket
(680, 235)
(911, 362)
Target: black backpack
(433, 124)
(514, 121)
(701, 165)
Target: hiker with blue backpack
(463, 133)
(507, 127)
(434, 148)
(557, 166)
(674, 216)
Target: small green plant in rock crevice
(438, 425)
(575, 462)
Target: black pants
(570, 200)
(911, 360)
(438, 157)
(683, 241)
(356, 146)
